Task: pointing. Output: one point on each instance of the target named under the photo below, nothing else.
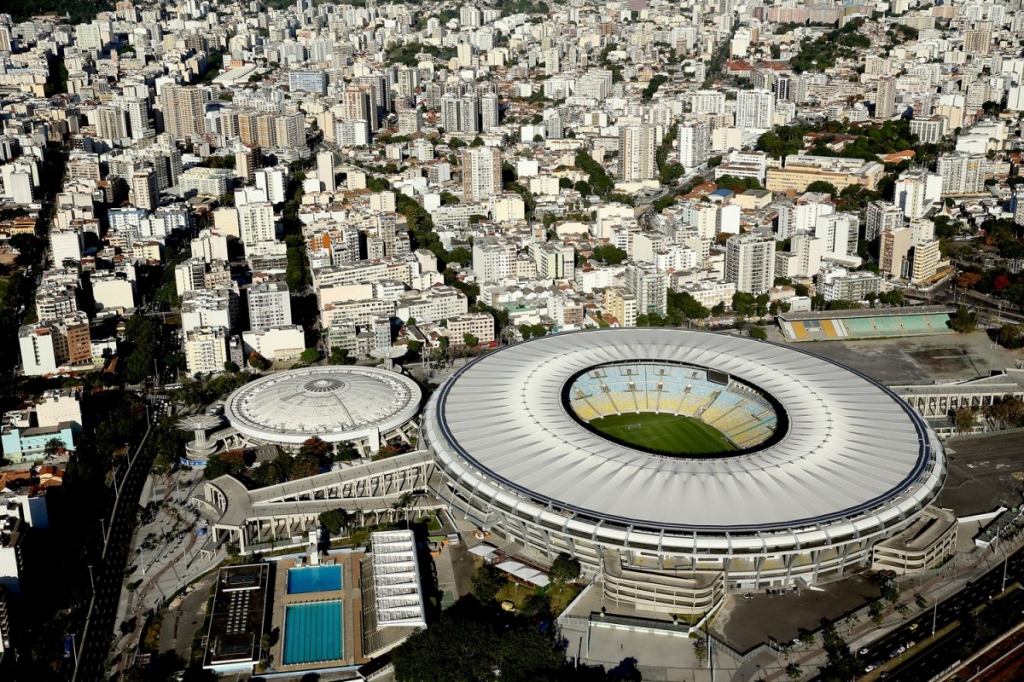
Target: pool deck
(351, 597)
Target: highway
(94, 645)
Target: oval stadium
(678, 464)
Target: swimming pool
(312, 633)
(314, 579)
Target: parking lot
(981, 473)
(745, 623)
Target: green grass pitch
(666, 433)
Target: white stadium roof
(335, 403)
(851, 448)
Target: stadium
(676, 465)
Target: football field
(666, 433)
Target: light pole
(92, 583)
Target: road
(109, 575)
(948, 649)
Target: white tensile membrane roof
(850, 445)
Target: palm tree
(405, 502)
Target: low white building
(282, 342)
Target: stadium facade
(827, 462)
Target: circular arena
(728, 462)
(362, 405)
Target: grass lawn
(561, 595)
(667, 433)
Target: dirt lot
(920, 359)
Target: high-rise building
(650, 288)
(929, 129)
(450, 107)
(469, 17)
(893, 253)
(469, 114)
(182, 110)
(247, 161)
(707, 102)
(1017, 206)
(885, 98)
(206, 350)
(144, 190)
(489, 116)
(357, 105)
(481, 174)
(289, 131)
(493, 258)
(978, 41)
(621, 305)
(313, 82)
(325, 170)
(755, 109)
(638, 146)
(750, 262)
(269, 305)
(882, 216)
(273, 181)
(256, 223)
(694, 144)
(410, 122)
(111, 123)
(962, 173)
(924, 259)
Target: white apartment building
(750, 262)
(493, 258)
(269, 305)
(650, 288)
(755, 109)
(256, 223)
(206, 350)
(434, 304)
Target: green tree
(310, 355)
(565, 569)
(52, 447)
(963, 321)
(964, 419)
(759, 333)
(486, 582)
(338, 356)
(470, 341)
(609, 254)
(823, 187)
(334, 520)
(472, 644)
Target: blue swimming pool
(314, 579)
(313, 633)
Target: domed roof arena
(334, 403)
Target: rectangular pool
(314, 579)
(313, 633)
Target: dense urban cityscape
(440, 342)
